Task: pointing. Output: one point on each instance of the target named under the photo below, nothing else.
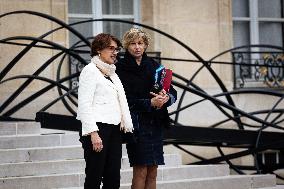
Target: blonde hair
(135, 33)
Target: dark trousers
(103, 166)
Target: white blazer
(97, 100)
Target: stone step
(161, 182)
(29, 128)
(44, 140)
(60, 153)
(71, 165)
(223, 182)
(75, 182)
(42, 182)
(40, 154)
(19, 128)
(182, 172)
(41, 168)
(36, 158)
(51, 181)
(275, 187)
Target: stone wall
(33, 26)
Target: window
(257, 22)
(80, 10)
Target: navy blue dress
(149, 123)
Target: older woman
(138, 74)
(103, 111)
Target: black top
(148, 122)
(138, 80)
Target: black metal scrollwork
(258, 69)
(248, 132)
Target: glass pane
(117, 6)
(271, 33)
(241, 33)
(80, 6)
(115, 28)
(240, 8)
(241, 38)
(85, 29)
(270, 9)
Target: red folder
(168, 80)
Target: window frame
(254, 22)
(97, 27)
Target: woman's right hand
(96, 141)
(158, 100)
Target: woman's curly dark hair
(102, 41)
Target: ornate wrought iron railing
(249, 133)
(258, 69)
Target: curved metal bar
(29, 46)
(58, 78)
(20, 55)
(189, 85)
(247, 46)
(269, 113)
(189, 82)
(26, 45)
(27, 82)
(183, 93)
(158, 58)
(215, 76)
(15, 94)
(211, 71)
(239, 154)
(57, 99)
(69, 108)
(280, 111)
(229, 162)
(14, 119)
(243, 91)
(14, 61)
(60, 91)
(51, 18)
(24, 51)
(209, 61)
(235, 92)
(221, 103)
(37, 94)
(190, 153)
(260, 132)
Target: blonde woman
(139, 74)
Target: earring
(99, 54)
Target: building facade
(207, 27)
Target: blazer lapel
(110, 83)
(105, 80)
